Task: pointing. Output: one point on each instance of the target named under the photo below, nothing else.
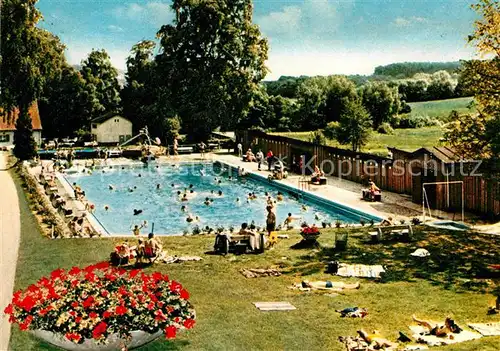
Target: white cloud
(156, 12)
(116, 29)
(405, 22)
(309, 19)
(77, 52)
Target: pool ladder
(304, 184)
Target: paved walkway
(10, 230)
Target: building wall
(7, 138)
(111, 130)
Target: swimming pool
(135, 188)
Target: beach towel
(178, 259)
(421, 335)
(259, 272)
(486, 329)
(359, 270)
(274, 306)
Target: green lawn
(440, 108)
(223, 298)
(406, 139)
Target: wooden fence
(481, 194)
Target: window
(117, 120)
(94, 125)
(4, 138)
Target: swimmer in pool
(191, 186)
(207, 201)
(202, 172)
(191, 219)
(179, 192)
(130, 189)
(237, 199)
(111, 187)
(184, 198)
(280, 196)
(106, 207)
(183, 208)
(220, 192)
(317, 216)
(158, 186)
(172, 185)
(304, 208)
(139, 175)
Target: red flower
(165, 278)
(74, 282)
(27, 303)
(74, 304)
(160, 316)
(91, 277)
(174, 286)
(9, 309)
(133, 273)
(57, 274)
(104, 293)
(122, 291)
(78, 319)
(184, 294)
(89, 301)
(102, 265)
(121, 310)
(107, 314)
(93, 315)
(151, 306)
(73, 337)
(189, 323)
(74, 271)
(99, 330)
(170, 332)
(157, 276)
(25, 325)
(72, 313)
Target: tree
(211, 60)
(102, 91)
(139, 94)
(381, 102)
(62, 104)
(466, 133)
(22, 65)
(482, 78)
(322, 100)
(354, 127)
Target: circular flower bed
(100, 301)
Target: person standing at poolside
(240, 150)
(176, 146)
(270, 157)
(271, 220)
(202, 149)
(260, 158)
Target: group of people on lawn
(146, 251)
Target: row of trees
(421, 86)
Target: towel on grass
(260, 272)
(357, 343)
(486, 329)
(274, 306)
(359, 270)
(421, 335)
(177, 259)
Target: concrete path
(10, 230)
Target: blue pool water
(163, 207)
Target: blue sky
(307, 37)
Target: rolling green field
(440, 108)
(442, 285)
(406, 139)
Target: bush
(419, 121)
(385, 128)
(405, 108)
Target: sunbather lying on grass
(449, 327)
(376, 341)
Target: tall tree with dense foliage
(323, 99)
(62, 104)
(354, 127)
(28, 56)
(102, 91)
(482, 77)
(139, 95)
(381, 102)
(211, 60)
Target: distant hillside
(409, 69)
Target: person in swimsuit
(448, 328)
(271, 220)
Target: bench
(403, 232)
(322, 181)
(237, 243)
(184, 149)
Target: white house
(8, 125)
(111, 128)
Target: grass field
(227, 320)
(406, 139)
(440, 109)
